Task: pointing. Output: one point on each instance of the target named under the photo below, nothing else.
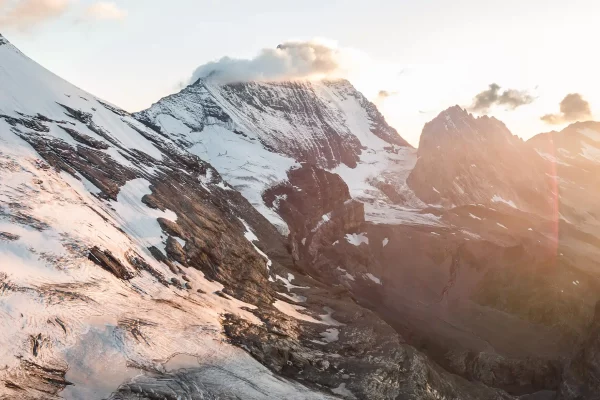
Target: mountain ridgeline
(268, 240)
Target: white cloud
(105, 10)
(24, 15)
(291, 60)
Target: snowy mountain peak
(3, 40)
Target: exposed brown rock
(106, 260)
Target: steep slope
(83, 221)
(130, 270)
(254, 133)
(467, 160)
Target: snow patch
(590, 133)
(137, 218)
(287, 282)
(294, 311)
(330, 335)
(373, 278)
(251, 237)
(342, 391)
(590, 152)
(346, 274)
(357, 239)
(498, 199)
(293, 297)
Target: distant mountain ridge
(468, 160)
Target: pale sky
(431, 53)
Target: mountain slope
(82, 221)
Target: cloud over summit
(289, 61)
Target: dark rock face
(86, 139)
(45, 381)
(307, 197)
(467, 160)
(581, 378)
(8, 236)
(106, 260)
(515, 375)
(98, 167)
(396, 370)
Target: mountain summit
(255, 132)
(468, 160)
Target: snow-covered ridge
(254, 133)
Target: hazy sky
(429, 54)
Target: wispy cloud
(572, 108)
(24, 15)
(105, 10)
(384, 94)
(493, 96)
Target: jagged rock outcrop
(305, 199)
(467, 160)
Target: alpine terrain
(279, 240)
